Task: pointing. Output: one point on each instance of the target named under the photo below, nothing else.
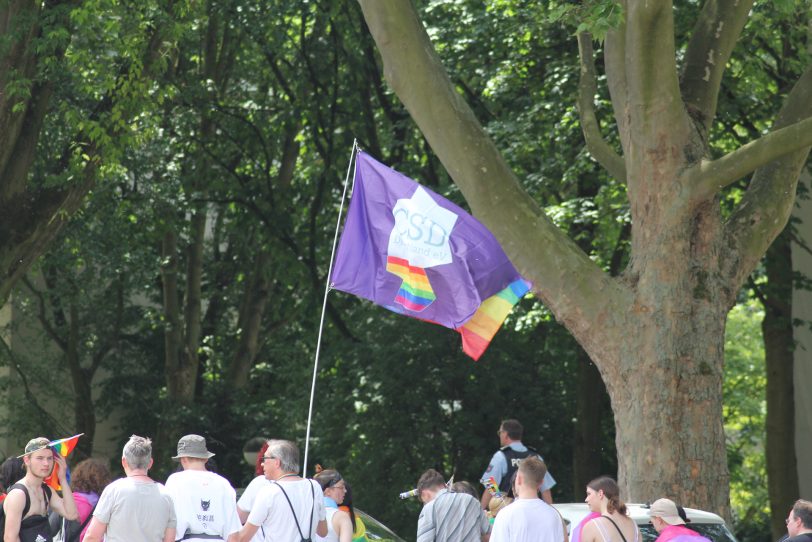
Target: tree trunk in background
(782, 467)
(252, 309)
(592, 402)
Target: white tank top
(332, 536)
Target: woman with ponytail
(613, 525)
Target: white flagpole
(324, 307)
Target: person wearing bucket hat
(205, 502)
(27, 503)
(667, 521)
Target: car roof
(575, 512)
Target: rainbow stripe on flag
(486, 321)
(415, 293)
(63, 447)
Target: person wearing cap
(667, 522)
(799, 522)
(290, 508)
(26, 505)
(205, 502)
(135, 508)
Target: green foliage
(744, 417)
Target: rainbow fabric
(415, 293)
(63, 447)
(486, 321)
(400, 235)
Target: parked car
(707, 524)
(377, 530)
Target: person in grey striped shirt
(448, 516)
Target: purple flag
(416, 253)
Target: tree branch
(587, 89)
(714, 36)
(767, 205)
(43, 317)
(579, 293)
(30, 395)
(651, 73)
(614, 59)
(715, 175)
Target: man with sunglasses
(799, 522)
(290, 508)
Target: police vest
(512, 457)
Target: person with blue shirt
(505, 462)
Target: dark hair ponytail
(612, 493)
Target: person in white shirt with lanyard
(205, 502)
(290, 508)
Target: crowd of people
(198, 505)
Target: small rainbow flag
(63, 447)
(415, 293)
(486, 321)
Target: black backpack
(45, 488)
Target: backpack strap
(290, 504)
(27, 506)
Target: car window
(716, 532)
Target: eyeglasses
(265, 458)
(334, 483)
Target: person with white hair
(290, 507)
(135, 508)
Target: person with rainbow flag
(27, 503)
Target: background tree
(84, 67)
(656, 333)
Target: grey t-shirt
(135, 511)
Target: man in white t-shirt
(528, 518)
(290, 508)
(205, 502)
(135, 508)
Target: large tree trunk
(782, 467)
(657, 332)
